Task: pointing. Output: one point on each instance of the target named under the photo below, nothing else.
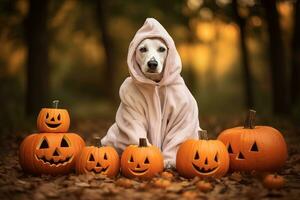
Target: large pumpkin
(98, 159)
(53, 120)
(50, 153)
(203, 158)
(259, 148)
(141, 161)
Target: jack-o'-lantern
(254, 148)
(50, 153)
(53, 120)
(202, 158)
(141, 161)
(98, 159)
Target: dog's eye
(143, 49)
(161, 49)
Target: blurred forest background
(236, 54)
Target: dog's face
(151, 55)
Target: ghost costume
(164, 112)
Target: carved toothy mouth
(53, 125)
(102, 171)
(202, 170)
(138, 172)
(56, 163)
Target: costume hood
(153, 29)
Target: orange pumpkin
(53, 120)
(203, 158)
(141, 161)
(273, 181)
(98, 160)
(50, 153)
(259, 148)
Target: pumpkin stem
(249, 122)
(143, 142)
(203, 135)
(98, 141)
(55, 103)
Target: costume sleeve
(183, 126)
(130, 122)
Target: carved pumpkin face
(98, 160)
(50, 153)
(260, 148)
(53, 120)
(202, 158)
(141, 161)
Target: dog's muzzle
(152, 64)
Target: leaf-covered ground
(15, 184)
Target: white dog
(155, 102)
(150, 56)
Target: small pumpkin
(259, 148)
(204, 186)
(98, 159)
(273, 181)
(50, 153)
(202, 158)
(53, 120)
(141, 161)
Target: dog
(151, 54)
(155, 102)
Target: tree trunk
(295, 79)
(107, 41)
(241, 22)
(37, 61)
(277, 60)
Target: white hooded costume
(164, 112)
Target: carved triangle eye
(64, 143)
(131, 159)
(44, 144)
(105, 156)
(229, 148)
(197, 157)
(147, 161)
(216, 157)
(91, 158)
(254, 147)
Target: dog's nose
(152, 64)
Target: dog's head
(151, 54)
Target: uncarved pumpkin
(273, 181)
(53, 120)
(141, 161)
(259, 148)
(50, 153)
(98, 159)
(202, 158)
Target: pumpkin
(202, 158)
(141, 161)
(53, 120)
(50, 153)
(259, 148)
(98, 159)
(273, 181)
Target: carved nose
(52, 119)
(152, 64)
(55, 153)
(205, 162)
(138, 166)
(98, 165)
